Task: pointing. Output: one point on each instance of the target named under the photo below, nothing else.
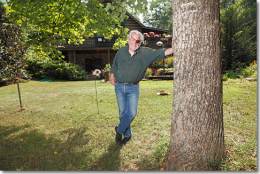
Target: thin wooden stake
(19, 94)
(96, 95)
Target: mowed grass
(61, 130)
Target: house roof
(145, 27)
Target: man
(129, 66)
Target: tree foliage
(238, 20)
(49, 23)
(11, 49)
(238, 29)
(45, 24)
(159, 14)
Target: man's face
(134, 42)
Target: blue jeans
(127, 100)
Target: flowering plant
(96, 72)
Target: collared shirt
(131, 69)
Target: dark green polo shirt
(131, 69)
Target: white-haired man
(129, 66)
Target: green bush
(58, 69)
(249, 71)
(242, 71)
(225, 77)
(169, 62)
(166, 63)
(107, 68)
(231, 75)
(148, 72)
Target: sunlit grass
(240, 125)
(60, 128)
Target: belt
(131, 83)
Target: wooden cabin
(96, 52)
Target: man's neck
(132, 52)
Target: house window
(99, 39)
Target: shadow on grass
(110, 160)
(151, 163)
(156, 161)
(22, 148)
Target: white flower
(96, 72)
(159, 43)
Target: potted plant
(106, 71)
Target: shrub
(157, 64)
(225, 77)
(231, 75)
(243, 71)
(148, 72)
(107, 68)
(12, 50)
(57, 69)
(249, 71)
(169, 62)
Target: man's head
(135, 38)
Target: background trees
(159, 14)
(44, 25)
(238, 29)
(238, 33)
(49, 23)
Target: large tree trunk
(197, 133)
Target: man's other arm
(112, 78)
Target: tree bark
(197, 133)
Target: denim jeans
(127, 100)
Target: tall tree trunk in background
(197, 133)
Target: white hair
(141, 36)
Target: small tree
(11, 52)
(11, 49)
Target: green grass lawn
(61, 130)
